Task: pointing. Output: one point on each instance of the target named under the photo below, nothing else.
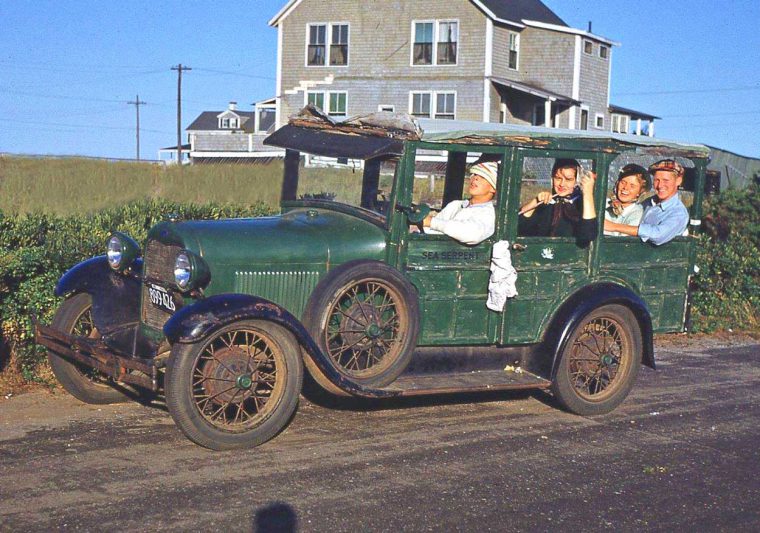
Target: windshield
(351, 182)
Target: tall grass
(68, 186)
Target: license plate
(161, 298)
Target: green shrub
(36, 249)
(727, 288)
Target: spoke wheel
(600, 361)
(365, 328)
(74, 317)
(237, 388)
(365, 318)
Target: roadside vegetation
(55, 213)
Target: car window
(536, 178)
(441, 176)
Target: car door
(548, 268)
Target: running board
(477, 381)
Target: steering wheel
(415, 214)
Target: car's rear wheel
(74, 317)
(599, 364)
(236, 389)
(365, 319)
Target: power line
(88, 126)
(692, 91)
(227, 72)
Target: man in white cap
(470, 221)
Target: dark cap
(667, 165)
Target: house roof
(509, 11)
(533, 90)
(520, 10)
(208, 120)
(634, 114)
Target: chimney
(589, 27)
(233, 106)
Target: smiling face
(666, 184)
(628, 189)
(563, 181)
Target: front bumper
(96, 354)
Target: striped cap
(488, 171)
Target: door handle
(517, 247)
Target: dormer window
(229, 123)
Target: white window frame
(348, 44)
(588, 118)
(604, 47)
(598, 116)
(224, 123)
(386, 107)
(434, 104)
(328, 43)
(436, 37)
(411, 102)
(585, 42)
(326, 99)
(619, 120)
(517, 49)
(306, 97)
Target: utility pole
(179, 68)
(137, 103)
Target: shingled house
(512, 61)
(487, 60)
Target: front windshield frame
(308, 178)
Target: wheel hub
(227, 374)
(359, 325)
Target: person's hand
(587, 182)
(544, 197)
(426, 222)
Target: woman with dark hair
(566, 211)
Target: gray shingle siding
(594, 84)
(377, 63)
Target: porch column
(548, 113)
(651, 128)
(638, 126)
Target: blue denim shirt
(663, 220)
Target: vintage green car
(223, 316)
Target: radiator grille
(288, 289)
(158, 268)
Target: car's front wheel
(237, 388)
(74, 317)
(599, 363)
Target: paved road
(680, 454)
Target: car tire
(600, 361)
(364, 316)
(74, 317)
(237, 388)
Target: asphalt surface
(680, 454)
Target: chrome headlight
(183, 270)
(190, 271)
(121, 251)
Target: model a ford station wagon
(224, 316)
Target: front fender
(198, 321)
(583, 302)
(115, 296)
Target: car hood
(298, 238)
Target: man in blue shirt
(665, 216)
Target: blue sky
(67, 69)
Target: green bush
(36, 249)
(727, 288)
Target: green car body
(281, 268)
